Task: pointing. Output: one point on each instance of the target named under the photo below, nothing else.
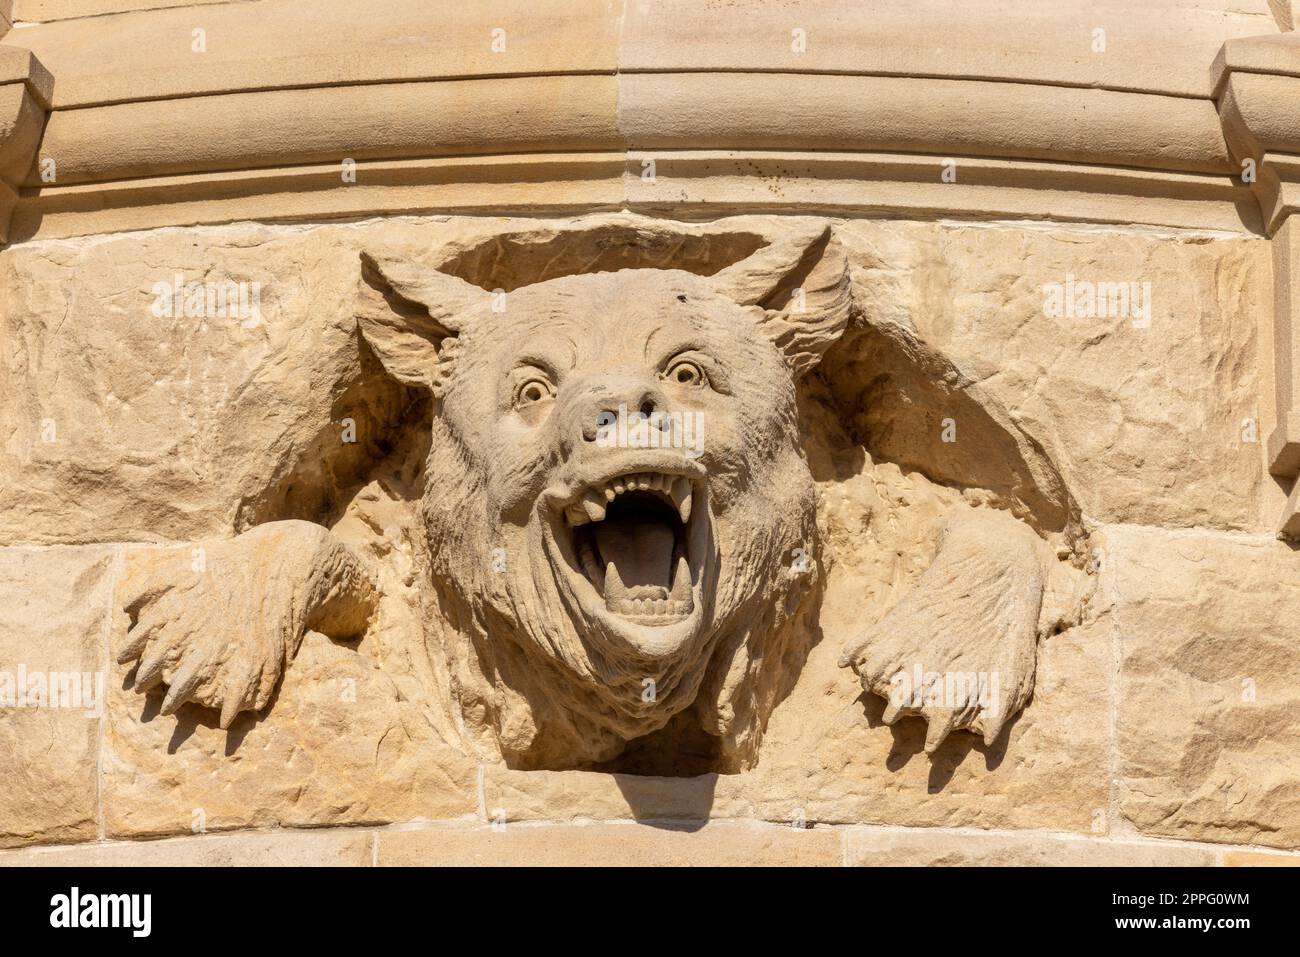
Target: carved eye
(685, 372)
(532, 390)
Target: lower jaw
(654, 637)
(637, 620)
(651, 611)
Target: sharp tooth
(657, 481)
(682, 580)
(592, 567)
(643, 482)
(576, 515)
(681, 494)
(619, 487)
(615, 590)
(593, 506)
(610, 494)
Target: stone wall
(1062, 270)
(1163, 727)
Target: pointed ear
(405, 311)
(801, 283)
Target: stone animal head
(617, 507)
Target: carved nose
(609, 404)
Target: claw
(939, 724)
(853, 654)
(150, 671)
(135, 645)
(262, 688)
(993, 722)
(230, 711)
(186, 679)
(237, 690)
(146, 627)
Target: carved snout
(598, 402)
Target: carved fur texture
(620, 519)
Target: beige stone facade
(975, 325)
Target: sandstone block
(54, 607)
(1209, 711)
(277, 848)
(913, 848)
(611, 845)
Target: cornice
(182, 115)
(25, 92)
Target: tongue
(638, 557)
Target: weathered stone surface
(128, 427)
(745, 106)
(41, 11)
(343, 743)
(895, 847)
(54, 617)
(138, 403)
(612, 845)
(315, 375)
(1136, 440)
(682, 843)
(1209, 683)
(828, 758)
(325, 515)
(277, 848)
(1256, 859)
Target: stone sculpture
(620, 521)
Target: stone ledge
(1256, 86)
(297, 44)
(334, 848)
(667, 112)
(619, 75)
(762, 111)
(708, 183)
(99, 62)
(492, 117)
(623, 844)
(907, 848)
(25, 91)
(1052, 42)
(43, 11)
(732, 843)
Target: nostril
(601, 422)
(647, 408)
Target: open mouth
(631, 540)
